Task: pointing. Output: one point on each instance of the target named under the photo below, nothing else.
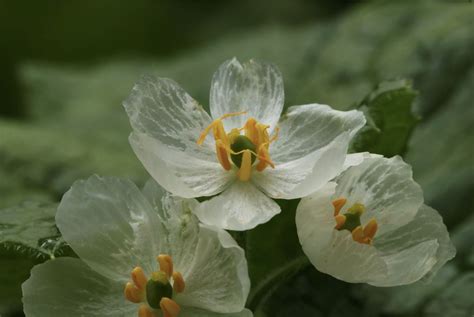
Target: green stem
(265, 288)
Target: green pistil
(157, 288)
(242, 143)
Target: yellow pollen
(156, 293)
(254, 131)
(351, 221)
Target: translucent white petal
(216, 276)
(68, 287)
(416, 250)
(255, 86)
(241, 207)
(155, 194)
(355, 159)
(301, 177)
(307, 128)
(385, 187)
(193, 312)
(110, 225)
(350, 261)
(177, 172)
(315, 220)
(331, 251)
(161, 109)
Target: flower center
(243, 150)
(156, 293)
(351, 221)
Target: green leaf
(30, 228)
(274, 253)
(390, 119)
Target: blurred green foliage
(64, 94)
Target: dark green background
(67, 65)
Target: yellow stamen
(217, 127)
(358, 234)
(264, 158)
(246, 166)
(145, 311)
(169, 307)
(166, 264)
(133, 294)
(178, 282)
(371, 229)
(139, 278)
(338, 204)
(251, 130)
(223, 155)
(340, 221)
(262, 134)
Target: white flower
(254, 154)
(118, 232)
(371, 226)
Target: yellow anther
(246, 166)
(357, 209)
(133, 294)
(264, 158)
(217, 127)
(251, 130)
(340, 221)
(223, 155)
(338, 204)
(145, 311)
(169, 307)
(166, 264)
(262, 133)
(139, 278)
(178, 282)
(358, 234)
(371, 229)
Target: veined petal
(308, 128)
(255, 86)
(241, 207)
(177, 172)
(386, 188)
(216, 276)
(194, 312)
(161, 109)
(212, 264)
(355, 159)
(416, 250)
(68, 287)
(303, 176)
(315, 220)
(331, 251)
(110, 225)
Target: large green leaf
(30, 228)
(390, 119)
